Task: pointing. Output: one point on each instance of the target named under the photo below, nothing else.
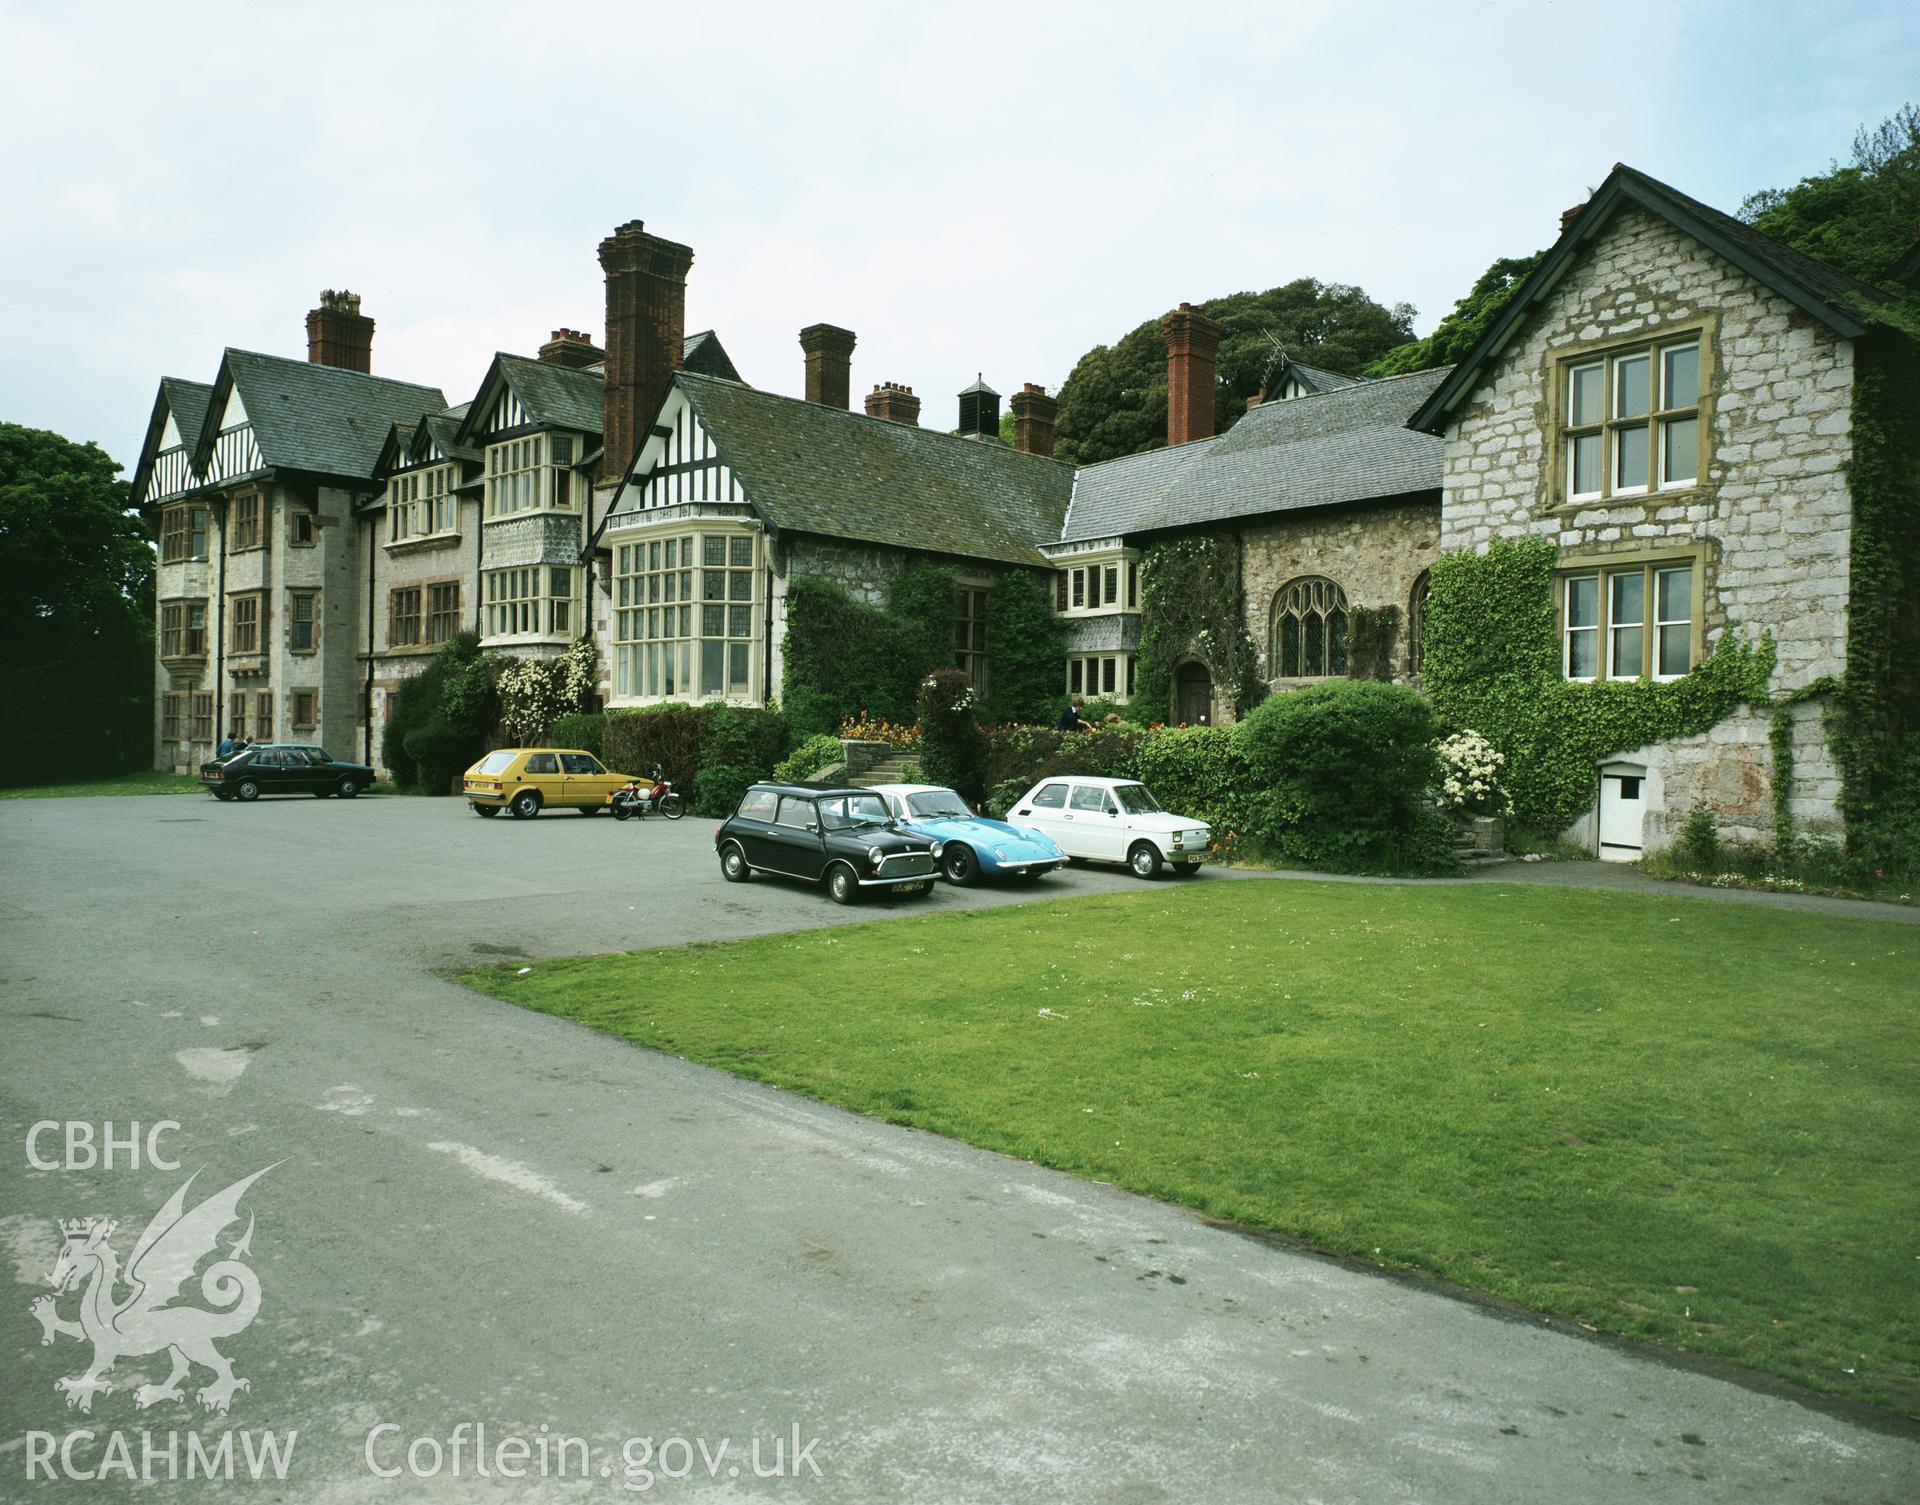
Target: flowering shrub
(951, 748)
(535, 692)
(1470, 771)
(865, 728)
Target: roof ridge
(821, 407)
(306, 365)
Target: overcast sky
(969, 188)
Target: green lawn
(1677, 1120)
(144, 782)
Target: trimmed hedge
(684, 741)
(951, 746)
(585, 730)
(1347, 768)
(441, 718)
(822, 750)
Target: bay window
(529, 600)
(687, 616)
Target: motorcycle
(641, 800)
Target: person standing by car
(226, 748)
(1071, 720)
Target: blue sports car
(971, 845)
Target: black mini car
(283, 768)
(842, 837)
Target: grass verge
(1676, 1121)
(144, 782)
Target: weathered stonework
(1769, 519)
(1375, 554)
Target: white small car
(1113, 820)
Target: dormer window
(524, 475)
(1631, 421)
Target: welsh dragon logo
(145, 1322)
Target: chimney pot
(1033, 417)
(338, 334)
(1568, 216)
(646, 325)
(829, 352)
(893, 403)
(570, 348)
(1193, 343)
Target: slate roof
(814, 469)
(187, 402)
(444, 428)
(312, 417)
(1347, 445)
(703, 354)
(553, 394)
(1836, 300)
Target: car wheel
(248, 790)
(526, 804)
(1034, 874)
(843, 886)
(673, 806)
(1144, 860)
(923, 890)
(349, 787)
(222, 795)
(621, 811)
(486, 812)
(959, 864)
(588, 809)
(733, 863)
(1184, 869)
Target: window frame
(303, 710)
(237, 619)
(1279, 610)
(247, 522)
(1608, 428)
(183, 532)
(698, 620)
(1604, 569)
(970, 642)
(311, 600)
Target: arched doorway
(1193, 694)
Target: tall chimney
(1192, 342)
(571, 348)
(646, 323)
(829, 351)
(338, 334)
(1033, 415)
(895, 403)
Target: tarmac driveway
(481, 1216)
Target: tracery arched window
(1309, 631)
(1417, 623)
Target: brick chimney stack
(571, 348)
(895, 403)
(1193, 340)
(829, 351)
(1568, 216)
(338, 334)
(646, 325)
(1033, 415)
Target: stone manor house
(1666, 399)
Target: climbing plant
(845, 657)
(1371, 633)
(1192, 602)
(1492, 664)
(1873, 723)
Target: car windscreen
(843, 812)
(1136, 799)
(938, 804)
(495, 762)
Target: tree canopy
(1115, 400)
(1460, 330)
(1860, 217)
(76, 611)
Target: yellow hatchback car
(527, 780)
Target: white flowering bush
(535, 692)
(1470, 771)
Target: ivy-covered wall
(1493, 665)
(1874, 721)
(1192, 604)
